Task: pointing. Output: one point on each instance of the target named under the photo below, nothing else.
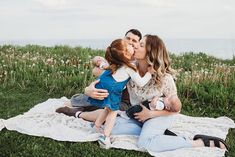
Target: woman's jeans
(151, 136)
(151, 133)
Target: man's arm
(95, 93)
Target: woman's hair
(158, 57)
(115, 55)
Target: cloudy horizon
(77, 19)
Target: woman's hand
(95, 93)
(143, 115)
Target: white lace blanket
(42, 120)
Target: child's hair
(115, 55)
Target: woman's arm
(169, 88)
(95, 93)
(147, 114)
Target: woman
(152, 51)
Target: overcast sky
(85, 19)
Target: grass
(32, 74)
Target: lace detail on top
(150, 90)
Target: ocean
(220, 48)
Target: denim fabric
(152, 136)
(79, 100)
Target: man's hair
(135, 32)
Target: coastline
(219, 48)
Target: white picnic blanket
(42, 120)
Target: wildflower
(34, 58)
(50, 60)
(5, 72)
(42, 70)
(62, 61)
(33, 65)
(12, 71)
(82, 72)
(67, 61)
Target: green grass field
(32, 74)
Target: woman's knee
(125, 127)
(151, 143)
(143, 142)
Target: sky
(102, 19)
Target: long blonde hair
(158, 57)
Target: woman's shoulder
(167, 76)
(167, 80)
(168, 85)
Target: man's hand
(95, 93)
(143, 115)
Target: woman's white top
(150, 90)
(124, 72)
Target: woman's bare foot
(200, 143)
(208, 141)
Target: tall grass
(32, 74)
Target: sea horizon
(219, 48)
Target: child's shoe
(104, 141)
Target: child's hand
(97, 60)
(151, 70)
(104, 65)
